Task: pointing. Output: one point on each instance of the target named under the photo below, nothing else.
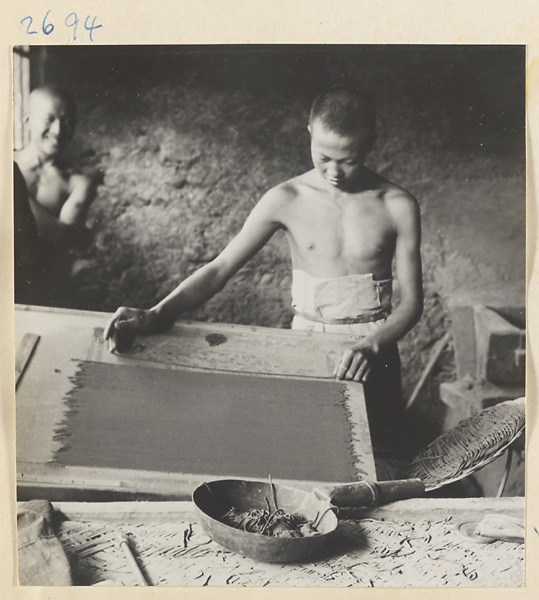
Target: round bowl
(212, 500)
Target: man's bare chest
(49, 187)
(354, 233)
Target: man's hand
(356, 362)
(122, 327)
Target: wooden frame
(67, 335)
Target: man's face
(338, 159)
(52, 124)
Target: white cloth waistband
(346, 299)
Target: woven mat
(472, 444)
(365, 553)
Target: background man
(51, 197)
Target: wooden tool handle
(124, 545)
(399, 489)
(369, 493)
(24, 354)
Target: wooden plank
(56, 481)
(243, 349)
(263, 350)
(440, 508)
(24, 354)
(413, 509)
(126, 512)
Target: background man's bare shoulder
(22, 158)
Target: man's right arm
(210, 279)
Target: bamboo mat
(472, 444)
(365, 553)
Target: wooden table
(66, 335)
(411, 543)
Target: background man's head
(342, 125)
(51, 120)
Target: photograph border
(213, 22)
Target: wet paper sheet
(197, 422)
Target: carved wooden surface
(411, 543)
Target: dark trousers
(385, 410)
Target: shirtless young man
(59, 196)
(51, 202)
(344, 224)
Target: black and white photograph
(270, 315)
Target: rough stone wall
(187, 140)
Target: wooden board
(411, 543)
(68, 337)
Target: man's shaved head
(51, 120)
(49, 91)
(345, 110)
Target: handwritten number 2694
(71, 20)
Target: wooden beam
(60, 480)
(435, 355)
(414, 509)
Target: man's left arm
(355, 363)
(408, 271)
